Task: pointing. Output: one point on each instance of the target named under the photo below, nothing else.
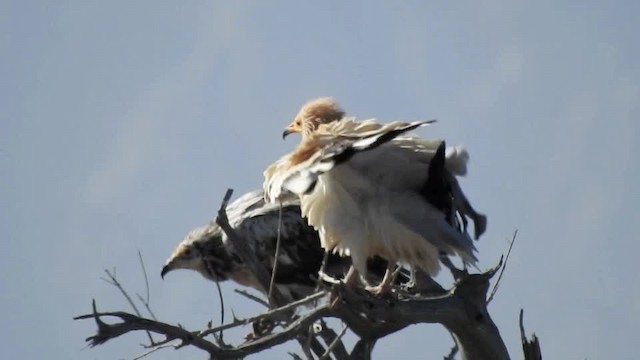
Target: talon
(379, 290)
(385, 285)
(327, 278)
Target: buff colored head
(313, 114)
(202, 250)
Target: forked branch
(462, 310)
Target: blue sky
(122, 123)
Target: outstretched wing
(299, 172)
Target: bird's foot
(349, 283)
(327, 278)
(385, 285)
(409, 286)
(379, 290)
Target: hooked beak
(165, 270)
(290, 129)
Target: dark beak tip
(165, 270)
(285, 133)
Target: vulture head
(313, 114)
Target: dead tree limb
(462, 310)
(531, 348)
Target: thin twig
(154, 349)
(504, 266)
(160, 343)
(275, 260)
(251, 297)
(147, 298)
(305, 345)
(146, 305)
(334, 343)
(328, 336)
(132, 322)
(291, 331)
(146, 279)
(212, 273)
(113, 281)
(268, 314)
(221, 336)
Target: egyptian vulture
(372, 190)
(207, 250)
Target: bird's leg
(412, 280)
(351, 279)
(385, 285)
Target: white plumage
(365, 187)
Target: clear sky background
(122, 123)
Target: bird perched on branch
(371, 190)
(208, 251)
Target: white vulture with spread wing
(208, 251)
(370, 189)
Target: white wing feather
(370, 204)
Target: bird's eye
(186, 252)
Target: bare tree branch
(251, 297)
(114, 281)
(295, 356)
(462, 310)
(334, 344)
(146, 279)
(221, 335)
(329, 337)
(153, 349)
(146, 300)
(132, 322)
(531, 348)
(269, 314)
(504, 267)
